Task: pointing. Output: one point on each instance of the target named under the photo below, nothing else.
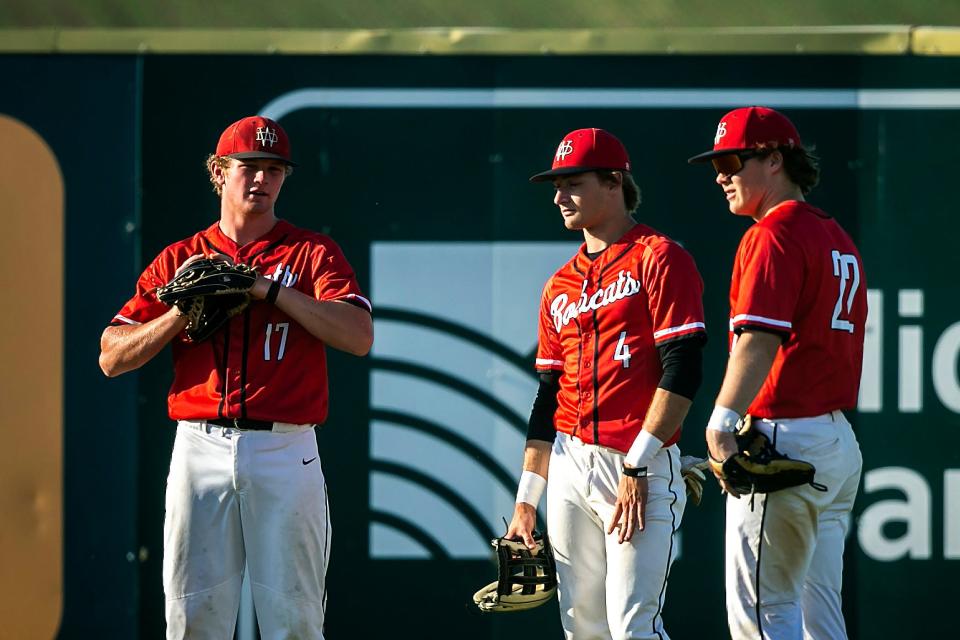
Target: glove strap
(635, 472)
(273, 292)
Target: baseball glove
(759, 468)
(527, 579)
(208, 293)
(691, 468)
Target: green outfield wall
(417, 165)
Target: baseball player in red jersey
(797, 315)
(245, 483)
(619, 358)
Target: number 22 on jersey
(845, 268)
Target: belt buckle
(236, 423)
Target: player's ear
(611, 179)
(218, 170)
(774, 161)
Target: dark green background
(132, 133)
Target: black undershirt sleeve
(682, 363)
(540, 426)
(784, 335)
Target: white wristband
(723, 419)
(643, 449)
(531, 487)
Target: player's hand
(200, 256)
(721, 446)
(630, 510)
(522, 525)
(691, 469)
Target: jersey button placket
(586, 367)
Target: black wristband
(635, 472)
(272, 292)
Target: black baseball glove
(526, 579)
(759, 468)
(208, 293)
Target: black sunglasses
(731, 163)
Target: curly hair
(219, 161)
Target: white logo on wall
(266, 136)
(917, 368)
(451, 387)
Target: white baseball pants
(784, 556)
(254, 497)
(609, 590)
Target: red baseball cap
(255, 137)
(748, 127)
(586, 150)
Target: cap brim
(253, 155)
(706, 156)
(544, 176)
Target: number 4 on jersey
(846, 268)
(622, 354)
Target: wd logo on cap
(266, 135)
(565, 149)
(721, 131)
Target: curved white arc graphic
(400, 545)
(452, 386)
(574, 97)
(447, 465)
(460, 414)
(458, 358)
(396, 495)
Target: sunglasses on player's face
(730, 164)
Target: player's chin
(259, 206)
(573, 222)
(737, 208)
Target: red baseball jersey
(262, 365)
(798, 273)
(600, 324)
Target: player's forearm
(339, 324)
(664, 415)
(747, 369)
(536, 457)
(128, 347)
(533, 482)
(667, 410)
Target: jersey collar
(219, 241)
(612, 253)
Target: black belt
(242, 423)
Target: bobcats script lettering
(564, 311)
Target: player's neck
(601, 236)
(776, 198)
(245, 228)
